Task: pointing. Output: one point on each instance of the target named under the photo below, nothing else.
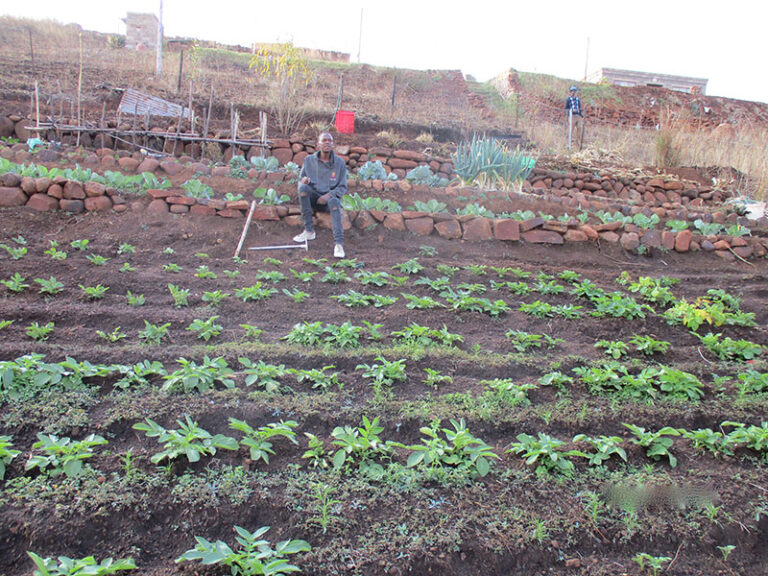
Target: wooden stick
(79, 85)
(37, 105)
(739, 257)
(181, 69)
(146, 128)
(61, 100)
(232, 120)
(103, 120)
(394, 92)
(178, 131)
(702, 355)
(675, 558)
(31, 48)
(263, 122)
(207, 124)
(245, 228)
(135, 120)
(191, 110)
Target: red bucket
(345, 121)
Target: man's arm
(302, 173)
(341, 182)
(305, 176)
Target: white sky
(723, 42)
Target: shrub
(373, 171)
(268, 164)
(238, 167)
(488, 163)
(423, 175)
(196, 189)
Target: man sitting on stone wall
(322, 183)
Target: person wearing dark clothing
(322, 183)
(575, 117)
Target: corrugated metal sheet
(138, 103)
(670, 81)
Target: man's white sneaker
(304, 236)
(338, 251)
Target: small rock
(629, 241)
(10, 197)
(43, 203)
(683, 241)
(148, 165)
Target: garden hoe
(305, 245)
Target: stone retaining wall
(285, 150)
(71, 196)
(668, 198)
(665, 196)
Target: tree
(290, 68)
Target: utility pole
(360, 36)
(586, 61)
(159, 65)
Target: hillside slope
(438, 101)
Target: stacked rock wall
(284, 149)
(627, 194)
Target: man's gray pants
(308, 199)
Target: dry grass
(421, 98)
(675, 143)
(746, 153)
(425, 138)
(426, 97)
(392, 138)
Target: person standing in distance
(574, 117)
(322, 183)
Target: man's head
(574, 89)
(325, 142)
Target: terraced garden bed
(429, 405)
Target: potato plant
(188, 440)
(361, 446)
(456, 448)
(65, 566)
(16, 283)
(206, 329)
(62, 455)
(200, 377)
(7, 453)
(257, 440)
(544, 451)
(263, 374)
(254, 555)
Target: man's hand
(305, 180)
(324, 198)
